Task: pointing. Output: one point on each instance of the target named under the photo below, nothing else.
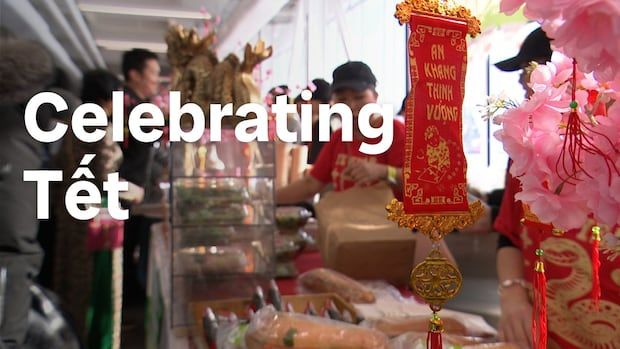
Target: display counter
(396, 303)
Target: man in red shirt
(341, 163)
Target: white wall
(373, 35)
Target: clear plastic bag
(396, 326)
(270, 329)
(395, 317)
(232, 336)
(417, 340)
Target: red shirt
(334, 155)
(568, 268)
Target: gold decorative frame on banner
(445, 8)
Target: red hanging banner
(434, 174)
(435, 167)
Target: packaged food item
(276, 330)
(310, 309)
(232, 336)
(393, 327)
(397, 316)
(274, 295)
(212, 200)
(196, 236)
(210, 328)
(492, 346)
(258, 299)
(417, 340)
(231, 333)
(332, 311)
(291, 218)
(212, 259)
(353, 230)
(347, 317)
(325, 280)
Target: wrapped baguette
(417, 340)
(325, 281)
(492, 346)
(276, 330)
(393, 327)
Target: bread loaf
(396, 326)
(417, 340)
(275, 330)
(492, 346)
(325, 280)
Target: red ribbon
(596, 265)
(539, 312)
(579, 138)
(433, 340)
(104, 233)
(539, 308)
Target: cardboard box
(382, 254)
(357, 239)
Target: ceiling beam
(245, 21)
(20, 17)
(143, 11)
(87, 36)
(61, 21)
(126, 45)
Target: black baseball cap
(535, 47)
(321, 91)
(353, 75)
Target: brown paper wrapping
(356, 239)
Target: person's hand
(112, 157)
(515, 323)
(134, 194)
(364, 172)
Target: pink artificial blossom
(311, 86)
(588, 30)
(510, 6)
(590, 34)
(533, 135)
(564, 210)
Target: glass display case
(222, 218)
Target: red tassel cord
(539, 313)
(579, 138)
(433, 337)
(596, 265)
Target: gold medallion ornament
(434, 171)
(436, 280)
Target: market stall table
(160, 333)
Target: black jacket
(25, 68)
(143, 164)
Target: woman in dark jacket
(25, 69)
(73, 263)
